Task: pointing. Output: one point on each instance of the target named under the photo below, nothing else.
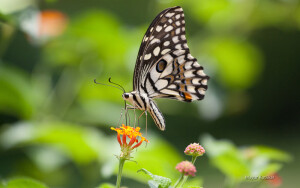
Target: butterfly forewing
(166, 33)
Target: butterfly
(165, 68)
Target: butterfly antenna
(116, 84)
(120, 87)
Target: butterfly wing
(177, 75)
(168, 25)
(165, 68)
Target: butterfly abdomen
(156, 115)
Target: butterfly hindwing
(165, 34)
(177, 75)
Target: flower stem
(178, 181)
(194, 159)
(183, 181)
(121, 164)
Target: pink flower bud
(187, 168)
(194, 149)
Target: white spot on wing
(191, 89)
(170, 20)
(201, 73)
(178, 46)
(155, 40)
(169, 28)
(204, 82)
(183, 37)
(175, 39)
(177, 23)
(161, 84)
(178, 10)
(179, 52)
(188, 74)
(165, 51)
(189, 56)
(177, 16)
(151, 29)
(172, 86)
(201, 91)
(188, 65)
(170, 92)
(156, 51)
(170, 14)
(196, 81)
(158, 28)
(147, 56)
(167, 43)
(177, 31)
(196, 64)
(181, 58)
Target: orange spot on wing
(187, 96)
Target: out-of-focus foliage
(22, 183)
(54, 121)
(238, 163)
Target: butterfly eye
(161, 65)
(126, 95)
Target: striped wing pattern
(165, 68)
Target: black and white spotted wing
(163, 35)
(164, 66)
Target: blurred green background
(54, 121)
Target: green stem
(178, 181)
(193, 159)
(183, 181)
(119, 177)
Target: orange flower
(133, 134)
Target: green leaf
(24, 183)
(106, 185)
(158, 181)
(81, 144)
(226, 157)
(16, 96)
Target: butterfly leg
(140, 117)
(128, 107)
